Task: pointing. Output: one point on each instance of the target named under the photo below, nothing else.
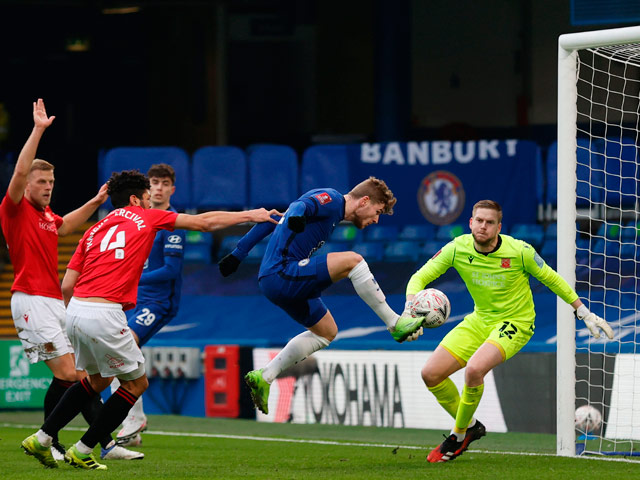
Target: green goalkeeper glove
(593, 322)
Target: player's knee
(473, 374)
(353, 259)
(430, 377)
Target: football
(433, 305)
(588, 419)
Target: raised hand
(40, 118)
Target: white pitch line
(329, 442)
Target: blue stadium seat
(589, 177)
(610, 231)
(621, 172)
(273, 176)
(549, 252)
(325, 166)
(421, 233)
(141, 158)
(371, 251)
(551, 231)
(529, 232)
(429, 249)
(346, 233)
(630, 232)
(219, 178)
(552, 175)
(402, 251)
(381, 233)
(257, 252)
(227, 244)
(198, 247)
(331, 246)
(447, 233)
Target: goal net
(598, 235)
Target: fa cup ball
(588, 419)
(431, 304)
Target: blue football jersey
(163, 286)
(323, 209)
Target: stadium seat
(219, 178)
(552, 176)
(549, 252)
(447, 233)
(429, 249)
(257, 252)
(402, 251)
(273, 176)
(227, 244)
(589, 179)
(529, 232)
(421, 233)
(346, 233)
(371, 251)
(629, 232)
(325, 166)
(609, 230)
(551, 231)
(620, 170)
(332, 246)
(198, 247)
(381, 233)
(141, 158)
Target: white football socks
(298, 348)
(45, 439)
(368, 289)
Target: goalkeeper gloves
(228, 265)
(297, 223)
(593, 322)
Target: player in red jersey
(101, 282)
(31, 231)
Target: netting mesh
(607, 253)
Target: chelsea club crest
(441, 197)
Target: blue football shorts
(146, 319)
(297, 287)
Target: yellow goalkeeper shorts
(508, 335)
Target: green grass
(269, 452)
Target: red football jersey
(111, 254)
(32, 238)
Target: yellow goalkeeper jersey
(499, 281)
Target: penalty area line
(331, 442)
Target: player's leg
(353, 266)
(435, 374)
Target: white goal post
(599, 210)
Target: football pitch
(187, 447)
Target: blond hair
(489, 204)
(377, 191)
(39, 164)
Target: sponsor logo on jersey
(48, 216)
(174, 239)
(48, 226)
(441, 197)
(506, 263)
(303, 262)
(470, 258)
(323, 198)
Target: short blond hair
(377, 191)
(489, 204)
(39, 164)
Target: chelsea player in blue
(293, 279)
(158, 290)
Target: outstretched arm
(72, 220)
(210, 221)
(28, 153)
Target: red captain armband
(323, 198)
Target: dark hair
(162, 170)
(491, 205)
(377, 191)
(123, 184)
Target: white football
(588, 419)
(433, 305)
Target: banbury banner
(440, 181)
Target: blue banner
(440, 181)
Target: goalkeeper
(291, 278)
(495, 268)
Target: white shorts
(102, 340)
(40, 323)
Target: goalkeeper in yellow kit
(495, 268)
